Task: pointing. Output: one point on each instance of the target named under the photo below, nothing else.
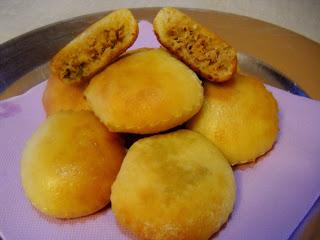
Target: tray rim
(288, 84)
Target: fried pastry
(202, 50)
(69, 164)
(147, 91)
(59, 96)
(96, 47)
(240, 117)
(173, 186)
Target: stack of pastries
(176, 182)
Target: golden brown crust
(173, 186)
(69, 165)
(59, 96)
(145, 92)
(202, 50)
(240, 117)
(96, 47)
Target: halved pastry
(96, 47)
(202, 50)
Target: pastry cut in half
(96, 47)
(145, 92)
(202, 50)
(240, 117)
(69, 165)
(176, 185)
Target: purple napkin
(273, 195)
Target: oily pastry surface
(69, 164)
(96, 47)
(240, 117)
(202, 50)
(59, 96)
(147, 91)
(173, 186)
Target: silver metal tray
(24, 64)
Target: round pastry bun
(69, 164)
(173, 186)
(59, 96)
(240, 117)
(145, 92)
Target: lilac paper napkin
(273, 195)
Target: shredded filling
(87, 59)
(206, 52)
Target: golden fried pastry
(240, 117)
(173, 186)
(96, 47)
(59, 96)
(69, 164)
(145, 92)
(202, 50)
